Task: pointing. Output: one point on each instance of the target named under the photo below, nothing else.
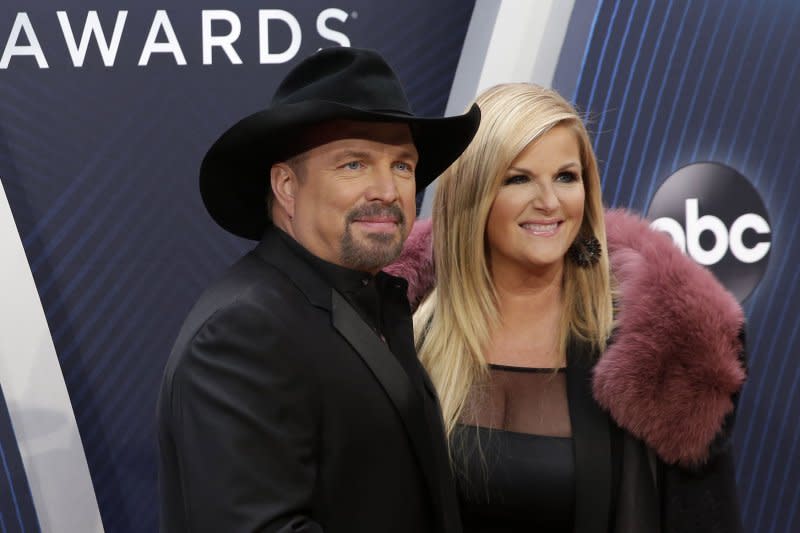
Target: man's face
(354, 197)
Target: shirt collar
(343, 279)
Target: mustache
(377, 210)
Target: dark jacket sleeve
(244, 426)
(705, 499)
(702, 500)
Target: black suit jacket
(282, 410)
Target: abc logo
(715, 216)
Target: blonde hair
(454, 324)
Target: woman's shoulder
(675, 363)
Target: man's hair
(454, 324)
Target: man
(293, 399)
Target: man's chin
(373, 252)
(372, 238)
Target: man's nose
(383, 186)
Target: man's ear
(284, 184)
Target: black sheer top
(513, 453)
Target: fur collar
(674, 365)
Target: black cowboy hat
(334, 83)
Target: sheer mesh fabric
(522, 400)
(513, 454)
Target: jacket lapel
(393, 379)
(592, 442)
(637, 508)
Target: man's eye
(404, 167)
(513, 180)
(353, 165)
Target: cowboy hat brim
(234, 175)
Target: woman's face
(538, 210)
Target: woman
(587, 381)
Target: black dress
(513, 453)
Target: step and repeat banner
(106, 111)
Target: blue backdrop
(666, 84)
(99, 164)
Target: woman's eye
(516, 179)
(567, 177)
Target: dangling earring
(585, 251)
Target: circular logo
(716, 216)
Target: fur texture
(675, 361)
(416, 264)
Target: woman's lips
(540, 229)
